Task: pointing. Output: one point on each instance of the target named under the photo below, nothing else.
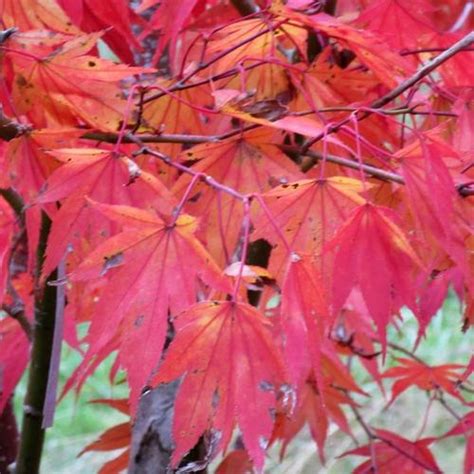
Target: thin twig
(111, 137)
(207, 179)
(463, 17)
(407, 352)
(213, 60)
(440, 398)
(189, 139)
(376, 437)
(367, 169)
(400, 89)
(464, 190)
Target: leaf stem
(209, 180)
(407, 353)
(440, 398)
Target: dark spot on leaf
(215, 399)
(21, 81)
(139, 320)
(293, 185)
(91, 63)
(195, 198)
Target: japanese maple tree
(235, 199)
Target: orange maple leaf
(58, 84)
(411, 372)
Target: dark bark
(152, 442)
(330, 7)
(258, 254)
(316, 44)
(8, 437)
(152, 437)
(32, 431)
(245, 7)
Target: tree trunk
(152, 437)
(32, 431)
(152, 442)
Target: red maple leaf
(304, 318)
(374, 254)
(402, 22)
(158, 268)
(308, 212)
(116, 17)
(117, 437)
(102, 175)
(392, 454)
(317, 414)
(234, 380)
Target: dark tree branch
(425, 70)
(407, 52)
(9, 128)
(330, 7)
(464, 190)
(152, 438)
(19, 315)
(355, 165)
(32, 431)
(245, 7)
(187, 139)
(15, 201)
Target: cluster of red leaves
(272, 126)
